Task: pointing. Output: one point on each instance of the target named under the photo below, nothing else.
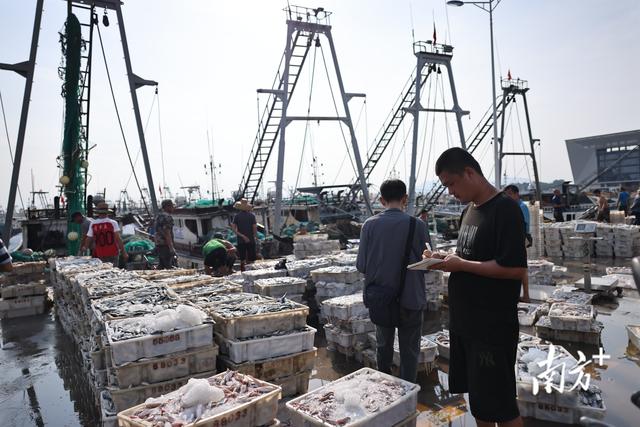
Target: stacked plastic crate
(434, 286)
(604, 245)
(626, 240)
(540, 272)
(281, 287)
(572, 320)
(308, 245)
(251, 276)
(23, 292)
(562, 402)
(536, 219)
(302, 268)
(573, 243)
(426, 359)
(552, 240)
(265, 337)
(330, 282)
(347, 324)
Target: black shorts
(487, 372)
(247, 251)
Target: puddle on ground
(42, 382)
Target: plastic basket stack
(566, 406)
(330, 282)
(540, 272)
(552, 240)
(434, 286)
(536, 219)
(265, 337)
(137, 339)
(23, 292)
(604, 247)
(626, 240)
(290, 287)
(307, 245)
(347, 324)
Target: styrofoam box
(262, 348)
(260, 410)
(571, 323)
(334, 289)
(158, 344)
(125, 398)
(260, 324)
(398, 411)
(277, 287)
(164, 368)
(345, 307)
(274, 367)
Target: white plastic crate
(262, 348)
(124, 398)
(158, 344)
(21, 302)
(260, 324)
(258, 411)
(165, 368)
(23, 290)
(527, 313)
(342, 337)
(277, 287)
(398, 411)
(344, 307)
(274, 367)
(442, 340)
(334, 289)
(580, 322)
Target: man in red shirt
(105, 232)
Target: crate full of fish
(302, 268)
(345, 307)
(217, 287)
(570, 294)
(336, 274)
(278, 287)
(529, 366)
(263, 347)
(341, 337)
(571, 317)
(546, 331)
(169, 331)
(274, 367)
(260, 317)
(363, 398)
(228, 399)
(253, 275)
(527, 313)
(442, 341)
(163, 368)
(143, 301)
(336, 289)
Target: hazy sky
(579, 56)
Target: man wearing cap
(84, 223)
(164, 235)
(246, 228)
(105, 232)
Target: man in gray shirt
(380, 259)
(84, 223)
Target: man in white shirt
(105, 232)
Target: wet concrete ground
(41, 382)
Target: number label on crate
(229, 418)
(166, 339)
(170, 363)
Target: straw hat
(243, 205)
(102, 208)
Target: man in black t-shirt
(484, 288)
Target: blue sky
(579, 56)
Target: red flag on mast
(509, 75)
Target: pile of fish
(182, 317)
(142, 301)
(381, 400)
(219, 287)
(205, 399)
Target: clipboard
(424, 264)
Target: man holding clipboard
(484, 288)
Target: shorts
(487, 372)
(247, 251)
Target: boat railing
(316, 15)
(515, 84)
(427, 46)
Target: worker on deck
(5, 259)
(558, 205)
(603, 214)
(163, 236)
(246, 228)
(84, 223)
(219, 256)
(514, 192)
(105, 233)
